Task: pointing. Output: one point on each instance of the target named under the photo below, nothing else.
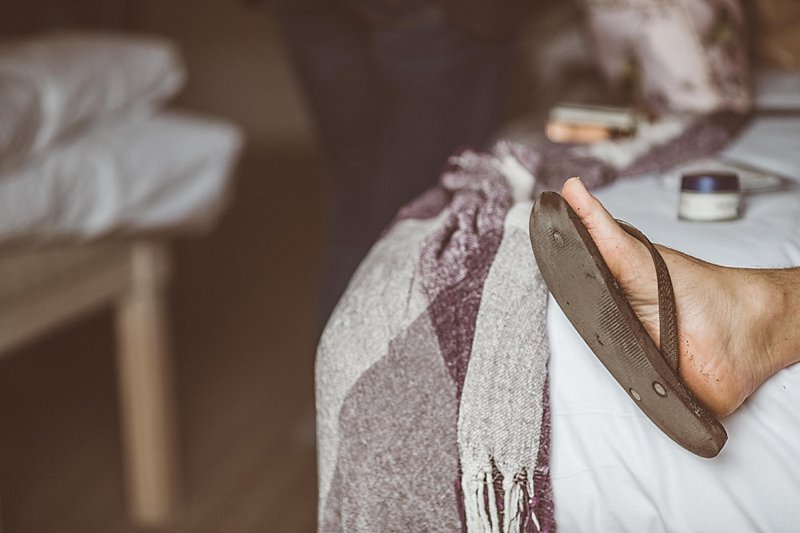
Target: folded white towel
(53, 84)
(170, 171)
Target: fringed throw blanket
(432, 372)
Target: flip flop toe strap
(667, 316)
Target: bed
(612, 470)
(391, 422)
(453, 394)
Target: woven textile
(431, 374)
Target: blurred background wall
(237, 65)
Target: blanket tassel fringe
(497, 504)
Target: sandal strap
(667, 313)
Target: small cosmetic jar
(709, 196)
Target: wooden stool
(44, 288)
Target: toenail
(558, 238)
(635, 395)
(659, 388)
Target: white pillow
(53, 84)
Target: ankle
(784, 328)
(773, 301)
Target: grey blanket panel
(397, 451)
(383, 298)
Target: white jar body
(709, 206)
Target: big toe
(598, 221)
(620, 251)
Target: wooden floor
(243, 302)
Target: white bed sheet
(170, 171)
(612, 469)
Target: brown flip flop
(587, 292)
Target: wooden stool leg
(146, 391)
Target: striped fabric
(432, 404)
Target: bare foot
(725, 315)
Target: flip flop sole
(587, 292)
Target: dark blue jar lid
(710, 182)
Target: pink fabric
(676, 55)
